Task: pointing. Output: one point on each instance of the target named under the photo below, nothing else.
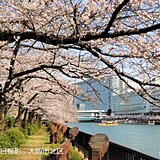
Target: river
(142, 138)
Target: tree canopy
(81, 39)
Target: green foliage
(11, 122)
(39, 124)
(36, 127)
(31, 130)
(55, 145)
(48, 129)
(11, 138)
(24, 131)
(4, 141)
(74, 155)
(16, 137)
(61, 137)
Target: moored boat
(108, 123)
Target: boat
(108, 123)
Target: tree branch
(114, 15)
(41, 67)
(9, 36)
(12, 62)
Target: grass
(34, 147)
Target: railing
(115, 151)
(81, 141)
(118, 152)
(93, 147)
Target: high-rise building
(113, 93)
(98, 92)
(103, 91)
(117, 85)
(129, 103)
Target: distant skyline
(122, 100)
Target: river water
(142, 138)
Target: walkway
(31, 149)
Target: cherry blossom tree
(29, 72)
(49, 99)
(82, 39)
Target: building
(90, 115)
(129, 103)
(105, 93)
(100, 93)
(155, 92)
(116, 96)
(117, 85)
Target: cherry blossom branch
(114, 15)
(54, 40)
(12, 62)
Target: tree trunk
(39, 119)
(19, 116)
(5, 111)
(24, 121)
(31, 116)
(1, 112)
